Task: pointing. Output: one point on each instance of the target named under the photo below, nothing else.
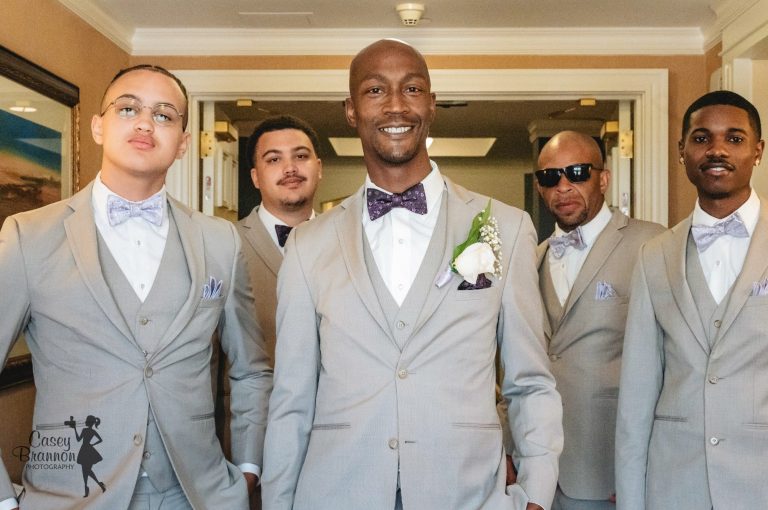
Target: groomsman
(384, 389)
(118, 291)
(584, 276)
(693, 405)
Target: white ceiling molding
(92, 14)
(517, 41)
(726, 11)
(647, 87)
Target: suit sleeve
(535, 410)
(15, 306)
(640, 386)
(249, 374)
(297, 363)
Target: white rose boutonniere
(479, 254)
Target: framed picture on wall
(39, 155)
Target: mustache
(717, 162)
(287, 178)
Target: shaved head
(569, 142)
(361, 65)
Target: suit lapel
(755, 266)
(191, 236)
(459, 215)
(605, 243)
(349, 228)
(257, 236)
(83, 242)
(674, 257)
(541, 257)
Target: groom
(384, 377)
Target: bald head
(370, 57)
(571, 144)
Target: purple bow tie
(558, 245)
(380, 203)
(119, 210)
(282, 233)
(705, 235)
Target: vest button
(392, 443)
(714, 441)
(149, 372)
(718, 322)
(400, 324)
(143, 321)
(147, 455)
(713, 379)
(137, 439)
(554, 357)
(402, 373)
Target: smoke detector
(410, 13)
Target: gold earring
(681, 160)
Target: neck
(723, 207)
(398, 178)
(130, 187)
(291, 218)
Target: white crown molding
(517, 41)
(726, 12)
(95, 16)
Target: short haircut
(154, 69)
(278, 123)
(723, 97)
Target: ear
(759, 151)
(539, 189)
(349, 111)
(605, 180)
(680, 148)
(432, 107)
(319, 169)
(255, 178)
(183, 144)
(96, 129)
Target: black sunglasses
(549, 177)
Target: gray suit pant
(146, 497)
(563, 502)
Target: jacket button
(402, 373)
(143, 321)
(149, 372)
(713, 379)
(718, 322)
(147, 455)
(713, 441)
(137, 439)
(392, 444)
(554, 357)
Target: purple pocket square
(760, 288)
(604, 291)
(482, 282)
(212, 289)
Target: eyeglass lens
(162, 113)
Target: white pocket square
(212, 289)
(760, 288)
(604, 291)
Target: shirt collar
(590, 231)
(749, 212)
(269, 221)
(99, 195)
(433, 186)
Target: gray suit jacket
(263, 260)
(350, 408)
(585, 349)
(692, 429)
(86, 361)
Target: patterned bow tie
(119, 210)
(705, 235)
(282, 233)
(380, 203)
(558, 245)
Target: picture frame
(39, 156)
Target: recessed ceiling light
(23, 109)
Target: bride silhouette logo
(88, 456)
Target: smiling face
(286, 170)
(719, 151)
(137, 150)
(391, 106)
(573, 204)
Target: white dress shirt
(270, 220)
(565, 269)
(399, 239)
(723, 260)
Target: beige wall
(46, 33)
(688, 79)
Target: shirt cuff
(8, 504)
(245, 467)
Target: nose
(144, 121)
(717, 148)
(396, 103)
(563, 184)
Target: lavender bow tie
(705, 235)
(119, 210)
(282, 233)
(558, 245)
(380, 203)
